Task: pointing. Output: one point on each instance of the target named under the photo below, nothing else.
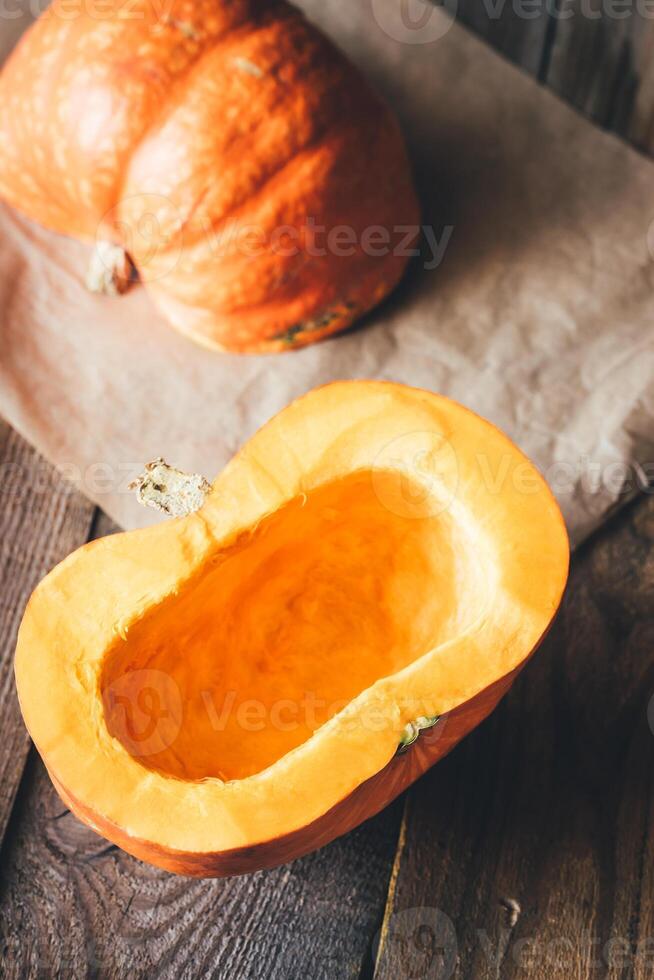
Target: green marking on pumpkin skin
(290, 335)
(412, 730)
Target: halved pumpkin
(231, 689)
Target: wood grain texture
(74, 906)
(600, 61)
(596, 54)
(41, 520)
(548, 804)
(523, 40)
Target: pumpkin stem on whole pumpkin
(110, 270)
(172, 491)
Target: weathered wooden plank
(41, 519)
(601, 63)
(596, 54)
(522, 39)
(72, 906)
(548, 805)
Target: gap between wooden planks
(596, 55)
(528, 852)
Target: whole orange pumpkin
(256, 182)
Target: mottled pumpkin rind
(178, 134)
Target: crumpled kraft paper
(539, 314)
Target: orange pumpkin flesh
(218, 143)
(226, 691)
(327, 595)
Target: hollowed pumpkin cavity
(278, 632)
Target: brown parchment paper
(539, 316)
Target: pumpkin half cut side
(259, 186)
(233, 688)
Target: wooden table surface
(528, 852)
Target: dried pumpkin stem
(110, 270)
(174, 492)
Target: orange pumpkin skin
(367, 800)
(240, 160)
